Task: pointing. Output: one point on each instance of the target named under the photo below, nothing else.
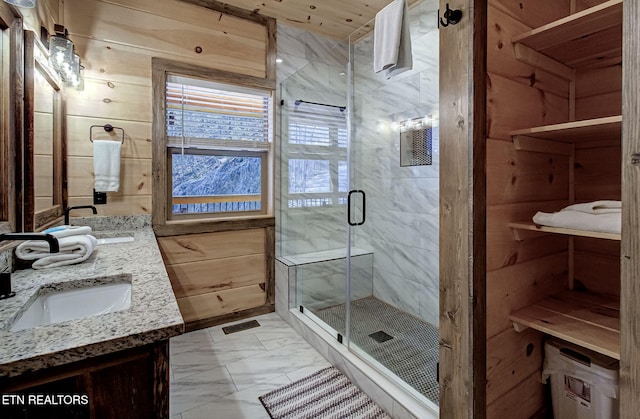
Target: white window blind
(205, 114)
(316, 151)
(311, 124)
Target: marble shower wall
(402, 202)
(313, 68)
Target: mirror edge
(11, 132)
(39, 220)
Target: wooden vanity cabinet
(132, 383)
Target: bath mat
(324, 394)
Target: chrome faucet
(68, 210)
(5, 277)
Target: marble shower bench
(317, 280)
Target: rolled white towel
(73, 249)
(596, 207)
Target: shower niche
(416, 142)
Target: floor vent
(240, 327)
(380, 336)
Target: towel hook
(452, 17)
(107, 128)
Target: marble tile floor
(214, 375)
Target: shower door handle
(364, 207)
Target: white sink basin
(77, 303)
(114, 240)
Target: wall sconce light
(416, 123)
(63, 58)
(60, 50)
(22, 3)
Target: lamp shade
(80, 85)
(72, 73)
(22, 3)
(60, 52)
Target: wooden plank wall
(116, 40)
(215, 274)
(519, 184)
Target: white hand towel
(73, 249)
(596, 207)
(392, 40)
(106, 165)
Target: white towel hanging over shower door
(392, 40)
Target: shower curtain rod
(342, 108)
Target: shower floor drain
(380, 336)
(240, 327)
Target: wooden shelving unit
(600, 129)
(589, 38)
(589, 320)
(526, 226)
(586, 38)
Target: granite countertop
(152, 316)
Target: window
(218, 138)
(317, 155)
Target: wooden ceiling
(335, 18)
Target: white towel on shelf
(579, 220)
(596, 207)
(73, 249)
(392, 40)
(106, 165)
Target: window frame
(264, 164)
(164, 222)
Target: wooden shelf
(600, 129)
(589, 320)
(530, 226)
(585, 38)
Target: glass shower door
(313, 185)
(392, 308)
